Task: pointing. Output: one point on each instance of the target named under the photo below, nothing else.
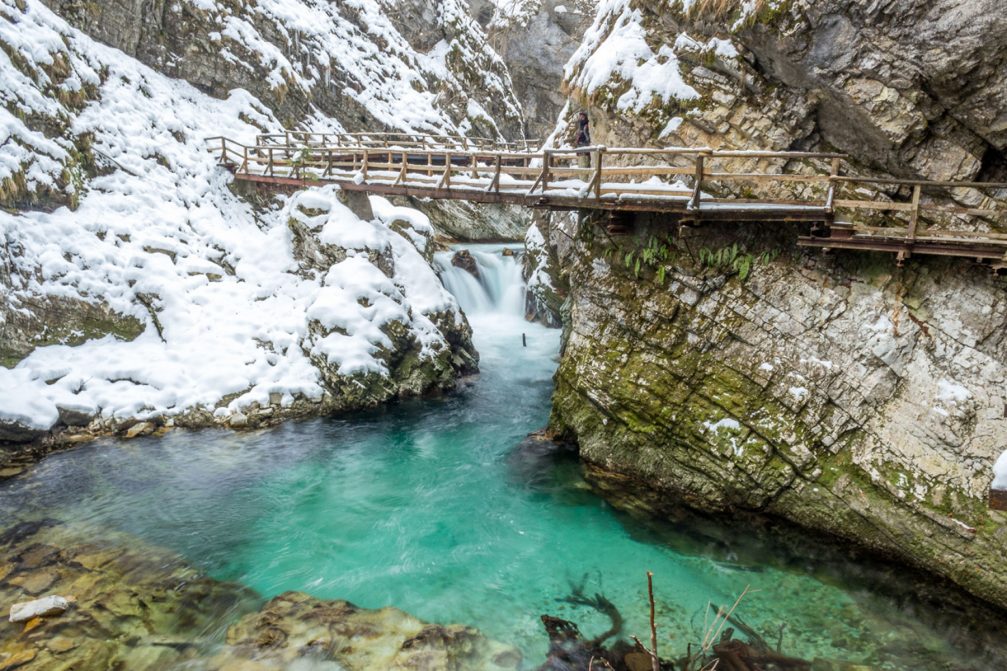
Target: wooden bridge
(904, 217)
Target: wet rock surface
(138, 607)
(134, 607)
(463, 259)
(296, 626)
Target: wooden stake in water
(654, 660)
(524, 340)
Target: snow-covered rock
(235, 315)
(364, 65)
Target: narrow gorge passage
(425, 506)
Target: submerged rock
(297, 626)
(44, 607)
(138, 606)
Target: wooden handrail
(618, 177)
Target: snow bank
(1000, 472)
(226, 303)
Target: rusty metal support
(998, 499)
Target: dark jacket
(583, 138)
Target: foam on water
(423, 506)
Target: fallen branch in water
(601, 604)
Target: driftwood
(601, 604)
(737, 656)
(570, 651)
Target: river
(423, 506)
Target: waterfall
(510, 347)
(500, 287)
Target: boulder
(463, 259)
(13, 431)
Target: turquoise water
(425, 507)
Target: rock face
(840, 393)
(546, 290)
(837, 392)
(907, 88)
(471, 222)
(308, 60)
(536, 38)
(412, 350)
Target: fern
(734, 259)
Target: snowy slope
(233, 317)
(358, 62)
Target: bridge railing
(921, 209)
(705, 183)
(391, 139)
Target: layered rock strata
(840, 393)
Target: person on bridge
(583, 139)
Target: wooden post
(364, 166)
(830, 196)
(244, 160)
(596, 180)
(495, 182)
(475, 166)
(270, 166)
(402, 171)
(328, 162)
(914, 217)
(546, 166)
(430, 163)
(697, 193)
(445, 182)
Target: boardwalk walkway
(904, 217)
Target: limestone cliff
(536, 38)
(907, 88)
(721, 366)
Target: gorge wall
(735, 372)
